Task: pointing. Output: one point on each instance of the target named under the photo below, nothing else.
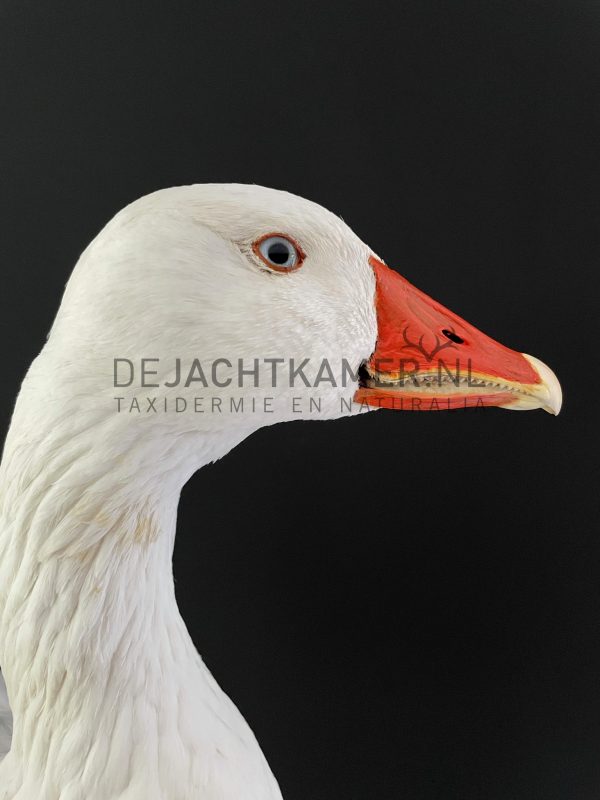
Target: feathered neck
(109, 695)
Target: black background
(402, 605)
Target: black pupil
(279, 252)
(452, 336)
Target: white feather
(110, 698)
(5, 720)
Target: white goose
(109, 697)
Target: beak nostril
(454, 337)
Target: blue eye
(279, 252)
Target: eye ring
(279, 252)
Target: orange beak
(429, 359)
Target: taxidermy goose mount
(109, 697)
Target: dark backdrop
(445, 643)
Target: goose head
(203, 293)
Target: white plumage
(5, 720)
(110, 698)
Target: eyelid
(274, 267)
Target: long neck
(107, 690)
